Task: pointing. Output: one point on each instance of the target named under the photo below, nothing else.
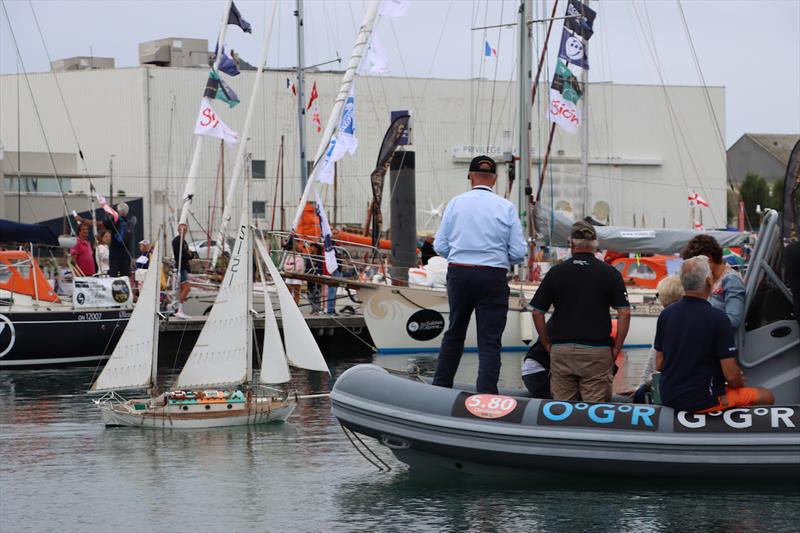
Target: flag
(377, 61)
(581, 19)
(347, 141)
(107, 208)
(488, 51)
(314, 96)
(563, 112)
(316, 120)
(208, 123)
(331, 265)
(393, 8)
(288, 83)
(565, 82)
(698, 226)
(695, 200)
(227, 64)
(573, 50)
(235, 18)
(294, 89)
(216, 88)
(327, 167)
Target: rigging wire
(675, 123)
(39, 119)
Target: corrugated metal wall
(643, 160)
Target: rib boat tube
(432, 428)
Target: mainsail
(301, 348)
(130, 365)
(273, 357)
(219, 357)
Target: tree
(776, 195)
(754, 192)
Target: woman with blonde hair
(668, 291)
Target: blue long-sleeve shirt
(480, 228)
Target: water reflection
(61, 470)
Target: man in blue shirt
(696, 352)
(481, 238)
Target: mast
(249, 275)
(156, 264)
(194, 167)
(240, 154)
(301, 104)
(585, 129)
(360, 46)
(524, 55)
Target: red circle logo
(490, 405)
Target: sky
(752, 48)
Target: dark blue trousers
(484, 291)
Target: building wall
(643, 159)
(746, 156)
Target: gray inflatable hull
(431, 427)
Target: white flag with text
(208, 123)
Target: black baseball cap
(583, 230)
(483, 163)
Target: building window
(259, 209)
(258, 168)
(36, 184)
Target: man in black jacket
(182, 255)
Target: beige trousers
(581, 373)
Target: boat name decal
(598, 415)
(425, 324)
(90, 316)
(489, 407)
(775, 419)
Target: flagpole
(585, 128)
(240, 155)
(194, 167)
(359, 48)
(301, 105)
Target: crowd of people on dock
(692, 365)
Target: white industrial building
(648, 145)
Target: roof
(778, 145)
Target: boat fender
(526, 327)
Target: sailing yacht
(216, 387)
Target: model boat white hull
(260, 412)
(412, 320)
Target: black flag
(582, 21)
(391, 140)
(235, 18)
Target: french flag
(488, 51)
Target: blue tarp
(14, 232)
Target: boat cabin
(20, 274)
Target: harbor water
(62, 471)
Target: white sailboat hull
(260, 412)
(397, 317)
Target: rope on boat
(381, 465)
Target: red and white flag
(695, 199)
(314, 96)
(209, 124)
(316, 120)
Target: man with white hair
(119, 257)
(582, 290)
(696, 351)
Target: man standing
(119, 260)
(182, 255)
(696, 351)
(582, 289)
(481, 238)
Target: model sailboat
(216, 386)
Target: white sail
(219, 357)
(273, 358)
(130, 365)
(302, 350)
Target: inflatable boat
(431, 427)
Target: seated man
(696, 352)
